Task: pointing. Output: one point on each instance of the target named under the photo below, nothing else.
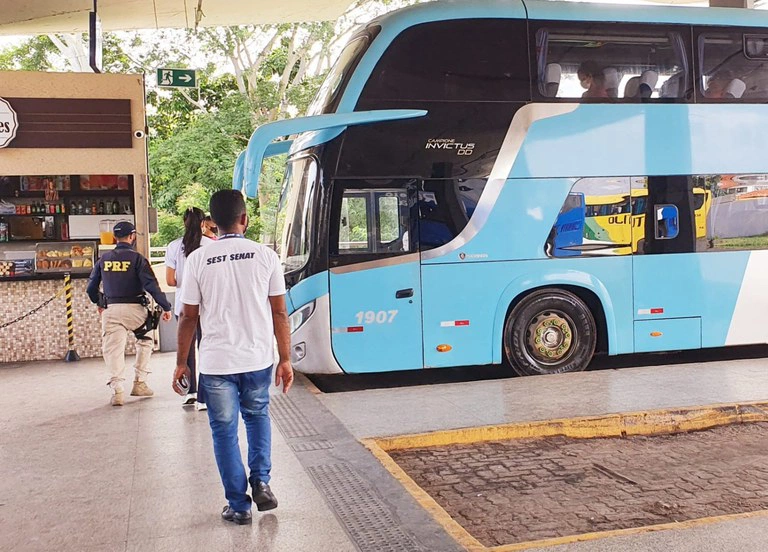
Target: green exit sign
(177, 78)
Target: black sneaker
(263, 497)
(241, 518)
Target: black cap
(123, 229)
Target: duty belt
(140, 300)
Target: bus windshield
(292, 223)
(330, 90)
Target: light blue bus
(439, 201)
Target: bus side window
(375, 221)
(454, 60)
(354, 234)
(392, 222)
(606, 62)
(732, 66)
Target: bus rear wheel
(551, 331)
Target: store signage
(177, 78)
(9, 123)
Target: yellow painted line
(653, 422)
(451, 526)
(689, 524)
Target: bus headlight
(298, 318)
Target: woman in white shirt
(175, 255)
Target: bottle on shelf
(48, 228)
(94, 209)
(72, 207)
(80, 210)
(115, 207)
(101, 207)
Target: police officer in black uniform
(125, 276)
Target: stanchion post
(71, 355)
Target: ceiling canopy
(71, 16)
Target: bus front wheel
(551, 331)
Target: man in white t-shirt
(236, 288)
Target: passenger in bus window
(716, 85)
(723, 85)
(592, 79)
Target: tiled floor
(80, 475)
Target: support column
(94, 39)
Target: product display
(64, 257)
(14, 269)
(39, 215)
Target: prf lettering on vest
(231, 257)
(117, 266)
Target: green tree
(201, 154)
(33, 54)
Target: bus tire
(551, 331)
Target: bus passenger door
(375, 276)
(669, 297)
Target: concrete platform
(382, 412)
(79, 475)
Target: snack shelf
(61, 257)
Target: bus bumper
(311, 351)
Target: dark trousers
(192, 365)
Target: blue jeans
(225, 396)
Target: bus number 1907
(373, 317)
